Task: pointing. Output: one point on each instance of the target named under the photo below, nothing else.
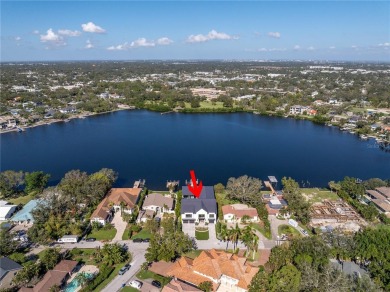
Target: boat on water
(363, 137)
(20, 129)
(67, 120)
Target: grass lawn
(128, 289)
(102, 234)
(260, 228)
(315, 195)
(126, 234)
(84, 255)
(143, 275)
(22, 200)
(207, 104)
(202, 235)
(142, 234)
(193, 254)
(288, 230)
(110, 278)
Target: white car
(136, 284)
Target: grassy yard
(102, 234)
(288, 230)
(207, 104)
(202, 235)
(142, 234)
(126, 234)
(315, 195)
(193, 254)
(128, 289)
(84, 255)
(110, 278)
(261, 229)
(22, 200)
(143, 275)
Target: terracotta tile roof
(158, 200)
(161, 268)
(65, 266)
(239, 210)
(179, 286)
(115, 196)
(214, 264)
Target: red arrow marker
(195, 189)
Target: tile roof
(25, 214)
(213, 264)
(115, 196)
(376, 194)
(384, 191)
(239, 210)
(194, 205)
(65, 266)
(158, 200)
(179, 286)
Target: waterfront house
(158, 203)
(8, 270)
(226, 271)
(24, 216)
(235, 212)
(117, 199)
(202, 209)
(145, 215)
(380, 197)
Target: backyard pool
(74, 284)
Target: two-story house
(202, 209)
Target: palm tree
(235, 235)
(225, 234)
(247, 237)
(254, 244)
(82, 279)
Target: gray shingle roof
(207, 192)
(194, 205)
(7, 265)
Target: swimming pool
(74, 284)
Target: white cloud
(142, 42)
(122, 47)
(52, 38)
(212, 35)
(69, 33)
(332, 47)
(164, 41)
(35, 31)
(311, 48)
(89, 44)
(384, 45)
(272, 50)
(297, 47)
(262, 50)
(93, 28)
(18, 38)
(354, 47)
(274, 34)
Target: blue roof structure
(25, 213)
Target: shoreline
(183, 111)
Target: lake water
(142, 144)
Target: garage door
(189, 221)
(211, 220)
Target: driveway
(119, 225)
(189, 228)
(275, 223)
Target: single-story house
(145, 215)
(8, 270)
(234, 213)
(55, 277)
(202, 209)
(123, 199)
(381, 199)
(158, 203)
(24, 216)
(179, 286)
(6, 210)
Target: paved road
(138, 250)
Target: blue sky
(130, 30)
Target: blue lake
(143, 144)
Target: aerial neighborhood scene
(195, 146)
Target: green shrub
(105, 272)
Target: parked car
(138, 240)
(156, 283)
(128, 266)
(123, 270)
(136, 284)
(146, 240)
(305, 232)
(91, 239)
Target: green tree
(7, 245)
(297, 204)
(29, 271)
(260, 282)
(50, 257)
(36, 181)
(219, 188)
(244, 189)
(235, 234)
(206, 286)
(10, 181)
(114, 254)
(287, 279)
